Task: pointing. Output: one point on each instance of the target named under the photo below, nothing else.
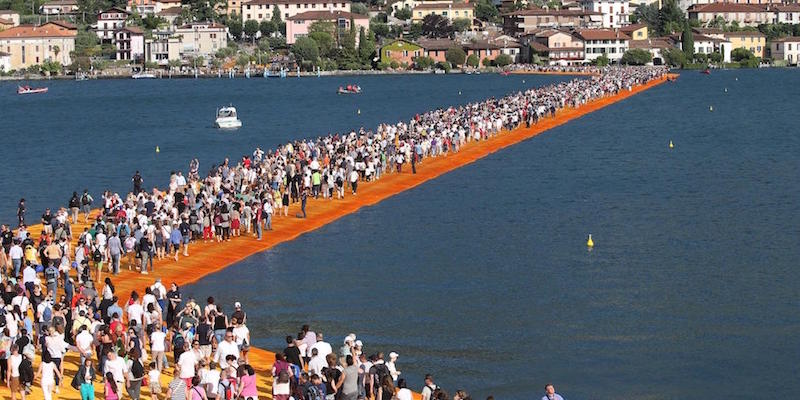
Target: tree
(380, 29)
(174, 64)
(403, 13)
(602, 61)
(455, 56)
(267, 28)
(674, 57)
(359, 8)
(152, 22)
(472, 61)
(325, 42)
(56, 50)
(243, 60)
(687, 41)
(87, 9)
(740, 54)
(422, 63)
(636, 57)
(647, 14)
(235, 28)
(670, 18)
(715, 57)
(436, 26)
(462, 24)
(485, 10)
(415, 30)
(366, 46)
(502, 60)
(306, 50)
(251, 28)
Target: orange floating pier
(208, 258)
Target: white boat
(143, 75)
(30, 90)
(227, 118)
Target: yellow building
(754, 41)
(32, 45)
(635, 31)
(451, 10)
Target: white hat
(359, 344)
(393, 355)
(237, 305)
(350, 338)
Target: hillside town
(63, 37)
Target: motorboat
(227, 118)
(349, 89)
(30, 90)
(143, 75)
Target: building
(611, 42)
(297, 26)
(450, 10)
(530, 20)
(786, 49)
(162, 47)
(482, 50)
(170, 14)
(5, 61)
(436, 49)
(10, 19)
(59, 7)
(32, 45)
(202, 38)
(754, 41)
(130, 43)
(635, 31)
(110, 21)
(616, 13)
(261, 10)
(561, 47)
(401, 51)
(743, 14)
(785, 13)
(508, 46)
(656, 47)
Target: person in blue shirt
(550, 393)
(175, 238)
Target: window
(788, 46)
(37, 49)
(260, 16)
(405, 53)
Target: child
(154, 381)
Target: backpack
(379, 371)
(178, 341)
(85, 199)
(137, 369)
(50, 274)
(26, 371)
(47, 314)
(225, 390)
(313, 393)
(97, 256)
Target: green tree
(325, 42)
(670, 18)
(403, 13)
(462, 24)
(674, 57)
(235, 28)
(174, 64)
(485, 10)
(687, 41)
(715, 57)
(250, 29)
(502, 60)
(152, 22)
(472, 61)
(436, 26)
(267, 28)
(280, 26)
(366, 47)
(740, 54)
(486, 62)
(601, 61)
(415, 30)
(306, 49)
(380, 29)
(56, 50)
(87, 9)
(359, 8)
(636, 57)
(647, 14)
(455, 56)
(422, 63)
(243, 60)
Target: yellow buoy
(671, 146)
(158, 150)
(590, 242)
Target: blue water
(482, 276)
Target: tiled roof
(171, 11)
(285, 2)
(436, 44)
(727, 7)
(30, 31)
(480, 46)
(4, 21)
(793, 39)
(209, 24)
(655, 43)
(132, 29)
(744, 33)
(541, 11)
(61, 3)
(324, 15)
(64, 24)
(633, 27)
(602, 34)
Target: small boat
(349, 89)
(30, 90)
(143, 75)
(227, 118)
(505, 73)
(706, 71)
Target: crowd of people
(53, 302)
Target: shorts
(235, 224)
(186, 239)
(155, 387)
(176, 246)
(14, 384)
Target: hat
(350, 338)
(393, 355)
(359, 344)
(237, 305)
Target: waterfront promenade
(206, 259)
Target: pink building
(297, 25)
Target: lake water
(482, 276)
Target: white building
(616, 13)
(110, 21)
(787, 49)
(202, 38)
(5, 61)
(130, 43)
(162, 47)
(59, 7)
(610, 42)
(261, 10)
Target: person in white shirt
(317, 363)
(83, 342)
(188, 362)
(323, 348)
(135, 311)
(241, 335)
(158, 346)
(12, 373)
(225, 348)
(116, 366)
(403, 393)
(392, 368)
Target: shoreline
(206, 259)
